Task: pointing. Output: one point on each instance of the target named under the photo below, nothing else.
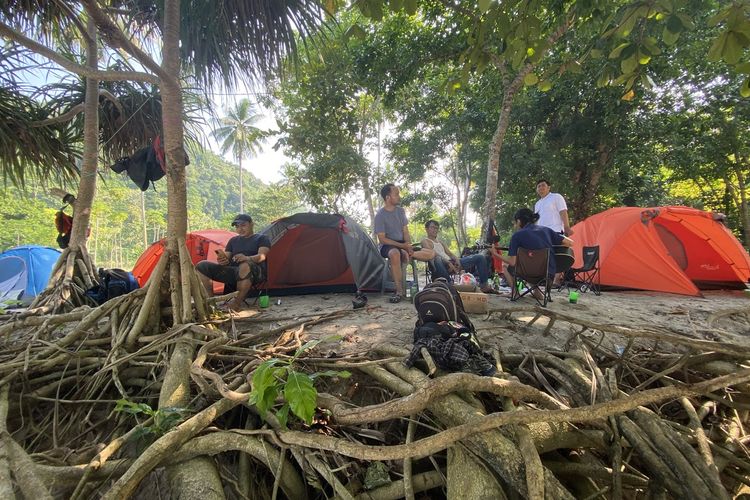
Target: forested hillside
(119, 232)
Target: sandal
(395, 298)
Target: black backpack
(439, 301)
(112, 283)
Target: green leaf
(618, 50)
(545, 85)
(301, 395)
(395, 5)
(732, 48)
(686, 21)
(628, 65)
(674, 24)
(265, 386)
(745, 90)
(743, 67)
(595, 53)
(669, 37)
(650, 43)
(717, 48)
(410, 6)
(355, 31)
(643, 58)
(484, 5)
(530, 79)
(283, 415)
(603, 80)
(719, 17)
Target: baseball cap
(241, 218)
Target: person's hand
(222, 258)
(409, 249)
(453, 268)
(568, 231)
(240, 258)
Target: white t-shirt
(440, 250)
(549, 209)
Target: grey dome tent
(13, 277)
(38, 263)
(317, 253)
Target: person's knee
(395, 256)
(201, 267)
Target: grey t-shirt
(391, 223)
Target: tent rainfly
(25, 271)
(316, 253)
(200, 244)
(667, 249)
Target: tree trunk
(143, 220)
(496, 147)
(74, 272)
(242, 188)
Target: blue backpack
(112, 283)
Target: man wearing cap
(242, 264)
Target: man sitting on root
(242, 264)
(395, 241)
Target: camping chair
(386, 276)
(429, 271)
(587, 276)
(532, 266)
(564, 260)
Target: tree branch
(109, 76)
(117, 39)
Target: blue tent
(38, 261)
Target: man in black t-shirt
(242, 264)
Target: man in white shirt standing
(552, 209)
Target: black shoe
(360, 300)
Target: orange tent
(665, 249)
(200, 244)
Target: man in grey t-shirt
(395, 240)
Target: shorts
(229, 275)
(384, 249)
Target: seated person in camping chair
(445, 263)
(242, 264)
(531, 236)
(391, 226)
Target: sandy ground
(382, 322)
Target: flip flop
(395, 298)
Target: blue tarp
(39, 263)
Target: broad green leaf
(603, 80)
(283, 415)
(410, 6)
(719, 17)
(650, 43)
(674, 24)
(484, 5)
(618, 50)
(301, 395)
(732, 48)
(628, 65)
(717, 48)
(669, 37)
(575, 67)
(743, 67)
(643, 58)
(686, 21)
(745, 90)
(629, 19)
(595, 53)
(395, 5)
(355, 31)
(545, 85)
(530, 79)
(530, 52)
(647, 81)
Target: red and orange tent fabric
(666, 249)
(200, 244)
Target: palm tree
(238, 134)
